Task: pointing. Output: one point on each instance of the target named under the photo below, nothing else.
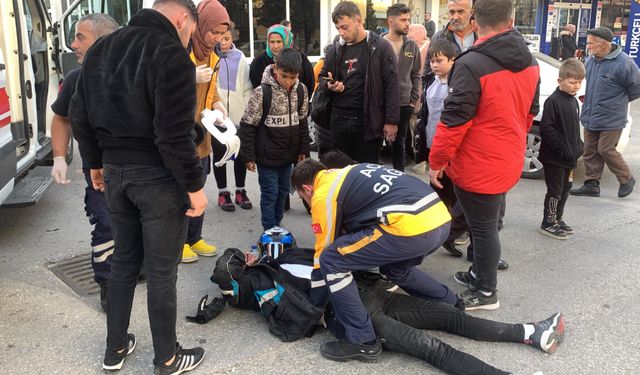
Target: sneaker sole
(228, 208)
(205, 254)
(189, 260)
(118, 366)
(357, 357)
(460, 242)
(585, 195)
(245, 206)
(554, 335)
(493, 306)
(551, 235)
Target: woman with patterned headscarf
(278, 38)
(213, 22)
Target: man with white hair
(418, 34)
(568, 41)
(613, 80)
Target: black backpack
(267, 94)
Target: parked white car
(549, 67)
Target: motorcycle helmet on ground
(275, 241)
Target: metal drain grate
(77, 273)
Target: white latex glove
(219, 106)
(59, 170)
(203, 74)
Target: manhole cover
(77, 273)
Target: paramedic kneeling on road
(365, 216)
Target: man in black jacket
(132, 115)
(568, 41)
(360, 72)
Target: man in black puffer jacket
(133, 115)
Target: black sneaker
(452, 249)
(103, 297)
(225, 202)
(591, 188)
(464, 277)
(626, 189)
(553, 231)
(343, 351)
(113, 360)
(474, 299)
(549, 333)
(566, 228)
(186, 360)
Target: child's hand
(251, 165)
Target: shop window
(239, 12)
(305, 24)
(525, 20)
(265, 14)
(615, 15)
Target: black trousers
(194, 229)
(400, 320)
(482, 213)
(220, 173)
(398, 146)
(147, 207)
(347, 131)
(558, 187)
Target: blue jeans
(147, 208)
(274, 183)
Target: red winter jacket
(493, 98)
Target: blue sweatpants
(397, 258)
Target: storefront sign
(633, 32)
(534, 39)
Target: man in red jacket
(480, 140)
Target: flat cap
(602, 32)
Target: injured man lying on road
(279, 288)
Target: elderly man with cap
(613, 80)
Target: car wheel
(532, 167)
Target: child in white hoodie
(234, 89)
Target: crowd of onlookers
(458, 102)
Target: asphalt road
(45, 328)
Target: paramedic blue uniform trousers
(397, 257)
(95, 206)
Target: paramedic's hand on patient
(97, 179)
(251, 165)
(199, 203)
(59, 170)
(219, 106)
(203, 74)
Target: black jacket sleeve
(306, 74)
(258, 65)
(549, 129)
(249, 126)
(416, 81)
(464, 95)
(303, 115)
(175, 102)
(90, 150)
(390, 84)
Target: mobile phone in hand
(329, 80)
